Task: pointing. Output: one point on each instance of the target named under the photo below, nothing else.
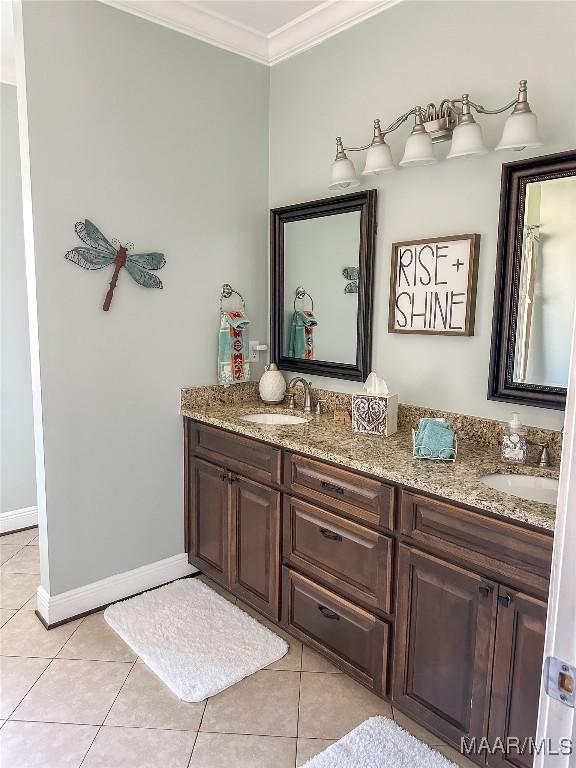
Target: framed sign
(433, 285)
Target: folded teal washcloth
(434, 440)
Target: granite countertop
(389, 458)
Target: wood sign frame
(436, 308)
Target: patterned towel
(302, 334)
(233, 365)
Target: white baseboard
(57, 608)
(18, 518)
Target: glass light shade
(378, 160)
(467, 140)
(343, 174)
(520, 131)
(418, 150)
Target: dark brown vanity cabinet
(254, 545)
(234, 521)
(469, 649)
(440, 608)
(518, 653)
(208, 520)
(443, 645)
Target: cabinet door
(518, 656)
(208, 529)
(444, 642)
(255, 545)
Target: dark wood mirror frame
(515, 177)
(365, 202)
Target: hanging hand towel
(302, 334)
(233, 365)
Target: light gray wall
(414, 53)
(17, 468)
(162, 140)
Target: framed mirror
(535, 293)
(322, 263)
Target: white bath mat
(196, 641)
(379, 743)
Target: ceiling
(262, 17)
(267, 31)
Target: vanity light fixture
(451, 121)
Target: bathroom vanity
(397, 570)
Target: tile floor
(77, 696)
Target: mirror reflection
(547, 283)
(321, 266)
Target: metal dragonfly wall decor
(99, 252)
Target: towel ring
(226, 292)
(300, 294)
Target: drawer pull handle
(332, 488)
(332, 535)
(328, 614)
(485, 590)
(504, 601)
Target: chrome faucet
(544, 456)
(307, 391)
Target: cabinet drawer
(357, 496)
(350, 636)
(353, 559)
(474, 538)
(241, 454)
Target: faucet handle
(319, 406)
(544, 460)
(291, 399)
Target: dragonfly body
(98, 252)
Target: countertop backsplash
(483, 432)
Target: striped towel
(233, 365)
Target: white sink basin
(543, 489)
(278, 419)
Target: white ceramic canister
(272, 386)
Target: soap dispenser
(514, 443)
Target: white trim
(305, 31)
(320, 24)
(55, 608)
(18, 518)
(30, 259)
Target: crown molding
(320, 24)
(306, 31)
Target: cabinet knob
(504, 600)
(332, 535)
(485, 590)
(332, 488)
(328, 614)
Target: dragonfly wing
(91, 235)
(141, 276)
(90, 258)
(148, 260)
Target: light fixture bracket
(440, 129)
